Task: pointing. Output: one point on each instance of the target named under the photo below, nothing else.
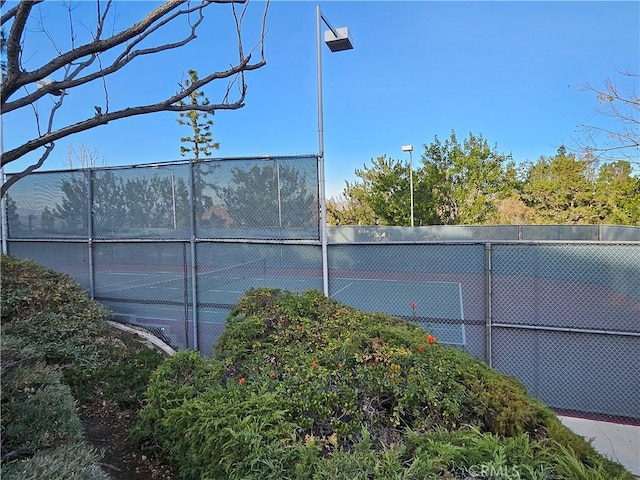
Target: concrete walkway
(619, 442)
(145, 336)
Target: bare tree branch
(624, 109)
(13, 41)
(168, 105)
(11, 84)
(123, 47)
(14, 178)
(8, 15)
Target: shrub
(120, 374)
(301, 386)
(48, 314)
(336, 368)
(38, 411)
(74, 461)
(49, 326)
(182, 377)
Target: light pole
(3, 206)
(337, 40)
(409, 148)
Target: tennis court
(437, 306)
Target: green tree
(350, 208)
(201, 143)
(385, 188)
(382, 196)
(456, 184)
(511, 208)
(617, 194)
(202, 140)
(561, 189)
(469, 180)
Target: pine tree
(202, 140)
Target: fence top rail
(495, 242)
(171, 163)
(485, 234)
(266, 241)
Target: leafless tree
(622, 140)
(84, 156)
(105, 54)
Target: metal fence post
(487, 305)
(3, 207)
(89, 179)
(192, 241)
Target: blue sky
(510, 71)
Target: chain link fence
(172, 247)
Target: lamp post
(337, 40)
(409, 148)
(3, 207)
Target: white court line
(408, 282)
(129, 285)
(128, 274)
(343, 288)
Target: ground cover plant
(71, 386)
(302, 387)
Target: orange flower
(340, 365)
(241, 380)
(314, 364)
(299, 327)
(431, 339)
(421, 348)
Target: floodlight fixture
(407, 148)
(338, 40)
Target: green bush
(48, 314)
(49, 326)
(337, 368)
(38, 411)
(120, 373)
(182, 377)
(68, 462)
(301, 386)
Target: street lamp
(409, 148)
(337, 39)
(3, 212)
